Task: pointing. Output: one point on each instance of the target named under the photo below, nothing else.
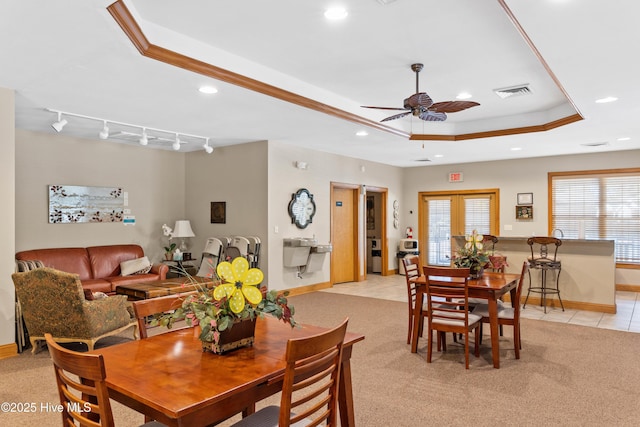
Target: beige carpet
(567, 375)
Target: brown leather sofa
(97, 266)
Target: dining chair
(448, 308)
(146, 308)
(85, 399)
(412, 271)
(508, 315)
(310, 386)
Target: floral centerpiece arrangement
(471, 255)
(236, 299)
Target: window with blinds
(477, 215)
(599, 205)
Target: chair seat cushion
(504, 312)
(266, 417)
(473, 318)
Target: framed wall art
(525, 199)
(218, 212)
(524, 212)
(74, 204)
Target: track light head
(104, 133)
(57, 126)
(176, 145)
(207, 147)
(144, 140)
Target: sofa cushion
(136, 278)
(70, 260)
(105, 260)
(135, 266)
(98, 285)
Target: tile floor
(626, 319)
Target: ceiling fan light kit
(144, 138)
(422, 106)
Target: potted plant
(168, 250)
(226, 314)
(471, 255)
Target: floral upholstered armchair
(53, 301)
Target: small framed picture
(525, 199)
(218, 212)
(524, 212)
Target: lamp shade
(183, 229)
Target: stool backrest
(543, 251)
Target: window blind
(600, 206)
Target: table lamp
(183, 230)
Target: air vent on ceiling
(508, 92)
(423, 160)
(595, 144)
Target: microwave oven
(408, 245)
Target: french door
(445, 214)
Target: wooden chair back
(312, 375)
(448, 306)
(144, 308)
(85, 401)
(489, 242)
(411, 271)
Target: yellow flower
(240, 282)
(474, 240)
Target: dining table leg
(345, 390)
(495, 336)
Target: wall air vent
(508, 92)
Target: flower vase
(475, 271)
(240, 335)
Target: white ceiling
(71, 55)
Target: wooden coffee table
(160, 288)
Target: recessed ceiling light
(607, 99)
(438, 155)
(208, 89)
(336, 13)
(463, 95)
(362, 133)
(624, 138)
(516, 148)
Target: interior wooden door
(344, 258)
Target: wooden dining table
(170, 379)
(491, 286)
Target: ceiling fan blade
(385, 108)
(396, 116)
(418, 100)
(432, 116)
(452, 106)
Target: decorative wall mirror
(302, 208)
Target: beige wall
(153, 179)
(323, 168)
(7, 217)
(235, 175)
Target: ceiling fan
(422, 106)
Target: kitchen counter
(587, 280)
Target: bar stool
(544, 262)
(497, 262)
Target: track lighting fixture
(104, 133)
(144, 136)
(207, 147)
(60, 123)
(144, 140)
